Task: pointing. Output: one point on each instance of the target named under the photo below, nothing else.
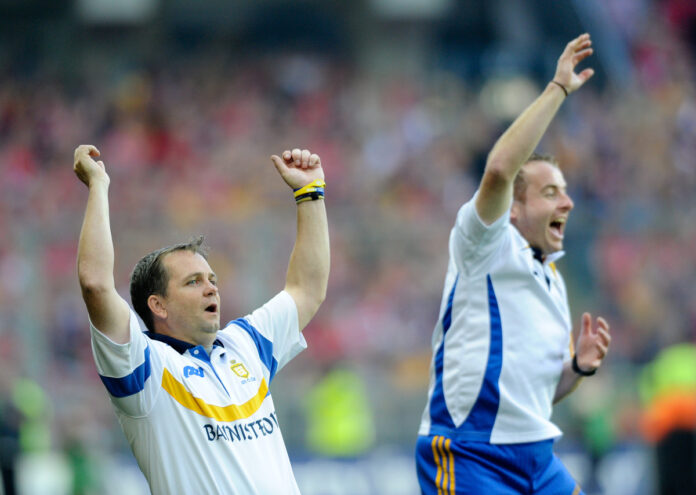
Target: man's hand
(308, 269)
(576, 51)
(86, 168)
(593, 343)
(298, 167)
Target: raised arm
(308, 270)
(95, 253)
(519, 141)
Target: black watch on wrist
(577, 369)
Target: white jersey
(501, 338)
(200, 423)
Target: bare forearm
(95, 253)
(517, 143)
(512, 150)
(522, 137)
(308, 270)
(568, 383)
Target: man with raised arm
(192, 398)
(502, 348)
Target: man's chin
(211, 327)
(554, 248)
(553, 245)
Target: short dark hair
(150, 276)
(520, 185)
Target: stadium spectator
(193, 399)
(502, 344)
(668, 390)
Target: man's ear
(514, 211)
(157, 306)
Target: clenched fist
(298, 167)
(86, 168)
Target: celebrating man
(192, 398)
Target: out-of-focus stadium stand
(402, 100)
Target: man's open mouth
(557, 226)
(211, 308)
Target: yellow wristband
(313, 186)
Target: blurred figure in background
(339, 417)
(10, 421)
(502, 345)
(25, 432)
(167, 386)
(668, 390)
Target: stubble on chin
(211, 327)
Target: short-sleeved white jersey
(501, 338)
(200, 423)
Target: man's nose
(566, 202)
(210, 288)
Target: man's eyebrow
(554, 186)
(199, 274)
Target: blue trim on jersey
(438, 407)
(179, 346)
(130, 384)
(263, 345)
(479, 423)
(199, 352)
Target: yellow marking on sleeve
(233, 412)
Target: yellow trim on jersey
(445, 465)
(233, 412)
(553, 267)
(576, 490)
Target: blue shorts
(449, 467)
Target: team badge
(239, 369)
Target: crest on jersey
(239, 369)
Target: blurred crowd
(187, 142)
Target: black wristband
(561, 86)
(310, 196)
(577, 369)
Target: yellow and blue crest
(239, 369)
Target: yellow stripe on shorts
(451, 466)
(436, 438)
(444, 459)
(444, 463)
